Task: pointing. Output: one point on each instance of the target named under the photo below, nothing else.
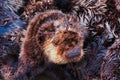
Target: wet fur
(33, 48)
(104, 23)
(110, 67)
(34, 61)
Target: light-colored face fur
(66, 45)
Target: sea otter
(53, 40)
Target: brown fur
(56, 29)
(53, 39)
(35, 6)
(111, 64)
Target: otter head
(58, 35)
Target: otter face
(65, 45)
(54, 37)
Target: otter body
(53, 40)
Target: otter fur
(110, 69)
(15, 6)
(53, 40)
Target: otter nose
(73, 54)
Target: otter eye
(55, 43)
